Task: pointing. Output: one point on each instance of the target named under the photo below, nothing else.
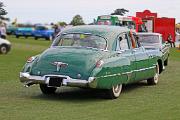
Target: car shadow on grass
(76, 94)
(71, 94)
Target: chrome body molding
(28, 80)
(145, 69)
(127, 73)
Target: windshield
(80, 40)
(42, 27)
(148, 39)
(104, 22)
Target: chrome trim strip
(143, 69)
(127, 73)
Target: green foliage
(2, 12)
(121, 12)
(77, 20)
(137, 101)
(62, 23)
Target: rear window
(81, 40)
(148, 38)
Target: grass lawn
(137, 101)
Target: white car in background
(5, 46)
(154, 41)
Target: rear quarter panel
(111, 73)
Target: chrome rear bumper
(28, 80)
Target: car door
(124, 50)
(141, 58)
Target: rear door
(124, 50)
(141, 59)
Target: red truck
(153, 23)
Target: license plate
(55, 81)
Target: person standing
(3, 31)
(56, 30)
(170, 40)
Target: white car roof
(144, 33)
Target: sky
(47, 11)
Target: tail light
(99, 63)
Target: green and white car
(97, 57)
(154, 41)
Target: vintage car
(154, 41)
(99, 57)
(11, 29)
(5, 46)
(42, 31)
(24, 32)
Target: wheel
(49, 38)
(166, 62)
(154, 80)
(3, 49)
(47, 90)
(35, 38)
(114, 92)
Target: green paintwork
(113, 19)
(118, 68)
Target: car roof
(147, 33)
(110, 33)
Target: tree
(2, 12)
(121, 12)
(77, 20)
(62, 23)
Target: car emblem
(59, 65)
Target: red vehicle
(164, 25)
(117, 20)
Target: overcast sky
(47, 11)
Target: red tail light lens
(99, 63)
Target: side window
(134, 40)
(122, 42)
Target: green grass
(137, 101)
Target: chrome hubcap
(3, 49)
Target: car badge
(59, 65)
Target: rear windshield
(81, 40)
(148, 38)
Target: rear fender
(111, 73)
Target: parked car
(155, 41)
(98, 57)
(42, 31)
(11, 30)
(24, 31)
(5, 46)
